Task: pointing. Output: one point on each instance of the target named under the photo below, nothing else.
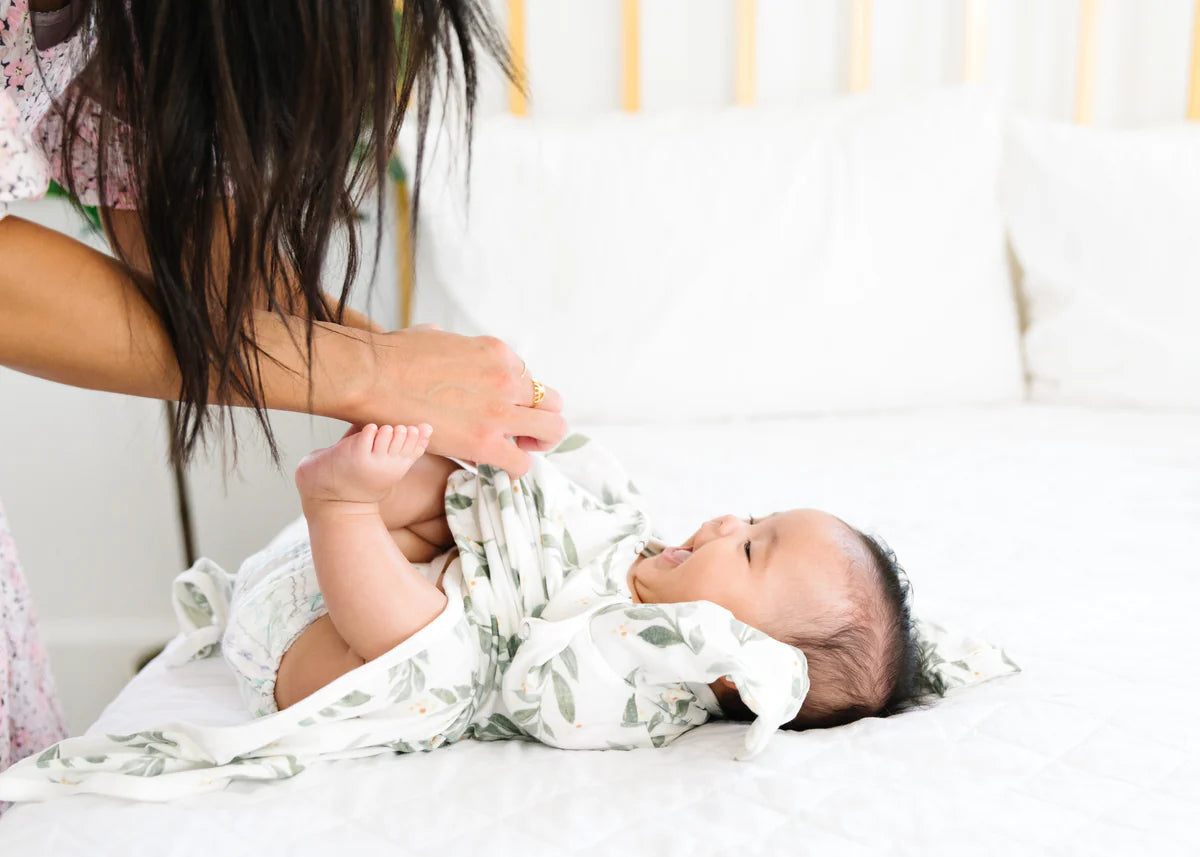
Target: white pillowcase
(845, 256)
(1106, 226)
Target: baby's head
(814, 582)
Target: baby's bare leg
(376, 599)
(415, 511)
(420, 496)
(317, 657)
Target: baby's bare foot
(360, 468)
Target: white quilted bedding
(1069, 537)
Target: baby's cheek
(728, 591)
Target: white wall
(83, 475)
(91, 500)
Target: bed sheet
(1067, 536)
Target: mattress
(1067, 536)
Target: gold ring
(539, 393)
(523, 369)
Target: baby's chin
(631, 580)
(668, 561)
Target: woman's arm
(76, 316)
(414, 387)
(123, 229)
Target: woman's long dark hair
(256, 128)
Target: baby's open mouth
(676, 556)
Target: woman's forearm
(354, 318)
(124, 229)
(76, 316)
(73, 315)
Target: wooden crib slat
(745, 55)
(1085, 84)
(860, 45)
(1193, 111)
(518, 103)
(975, 40)
(631, 81)
(404, 266)
(404, 252)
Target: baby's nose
(715, 529)
(727, 525)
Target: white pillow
(1106, 225)
(849, 255)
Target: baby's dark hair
(867, 664)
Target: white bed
(1066, 535)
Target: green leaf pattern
(570, 443)
(658, 635)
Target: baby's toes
(409, 450)
(383, 439)
(365, 439)
(423, 433)
(399, 437)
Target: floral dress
(30, 717)
(36, 70)
(32, 79)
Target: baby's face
(789, 569)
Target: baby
(816, 606)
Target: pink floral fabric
(30, 717)
(24, 173)
(33, 83)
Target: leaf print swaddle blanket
(540, 640)
(580, 665)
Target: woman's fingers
(510, 458)
(551, 400)
(532, 444)
(545, 427)
(551, 403)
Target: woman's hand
(474, 391)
